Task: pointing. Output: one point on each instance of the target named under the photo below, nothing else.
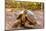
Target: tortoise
(26, 20)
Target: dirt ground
(10, 18)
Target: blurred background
(11, 6)
(23, 4)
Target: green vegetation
(23, 4)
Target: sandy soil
(10, 18)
